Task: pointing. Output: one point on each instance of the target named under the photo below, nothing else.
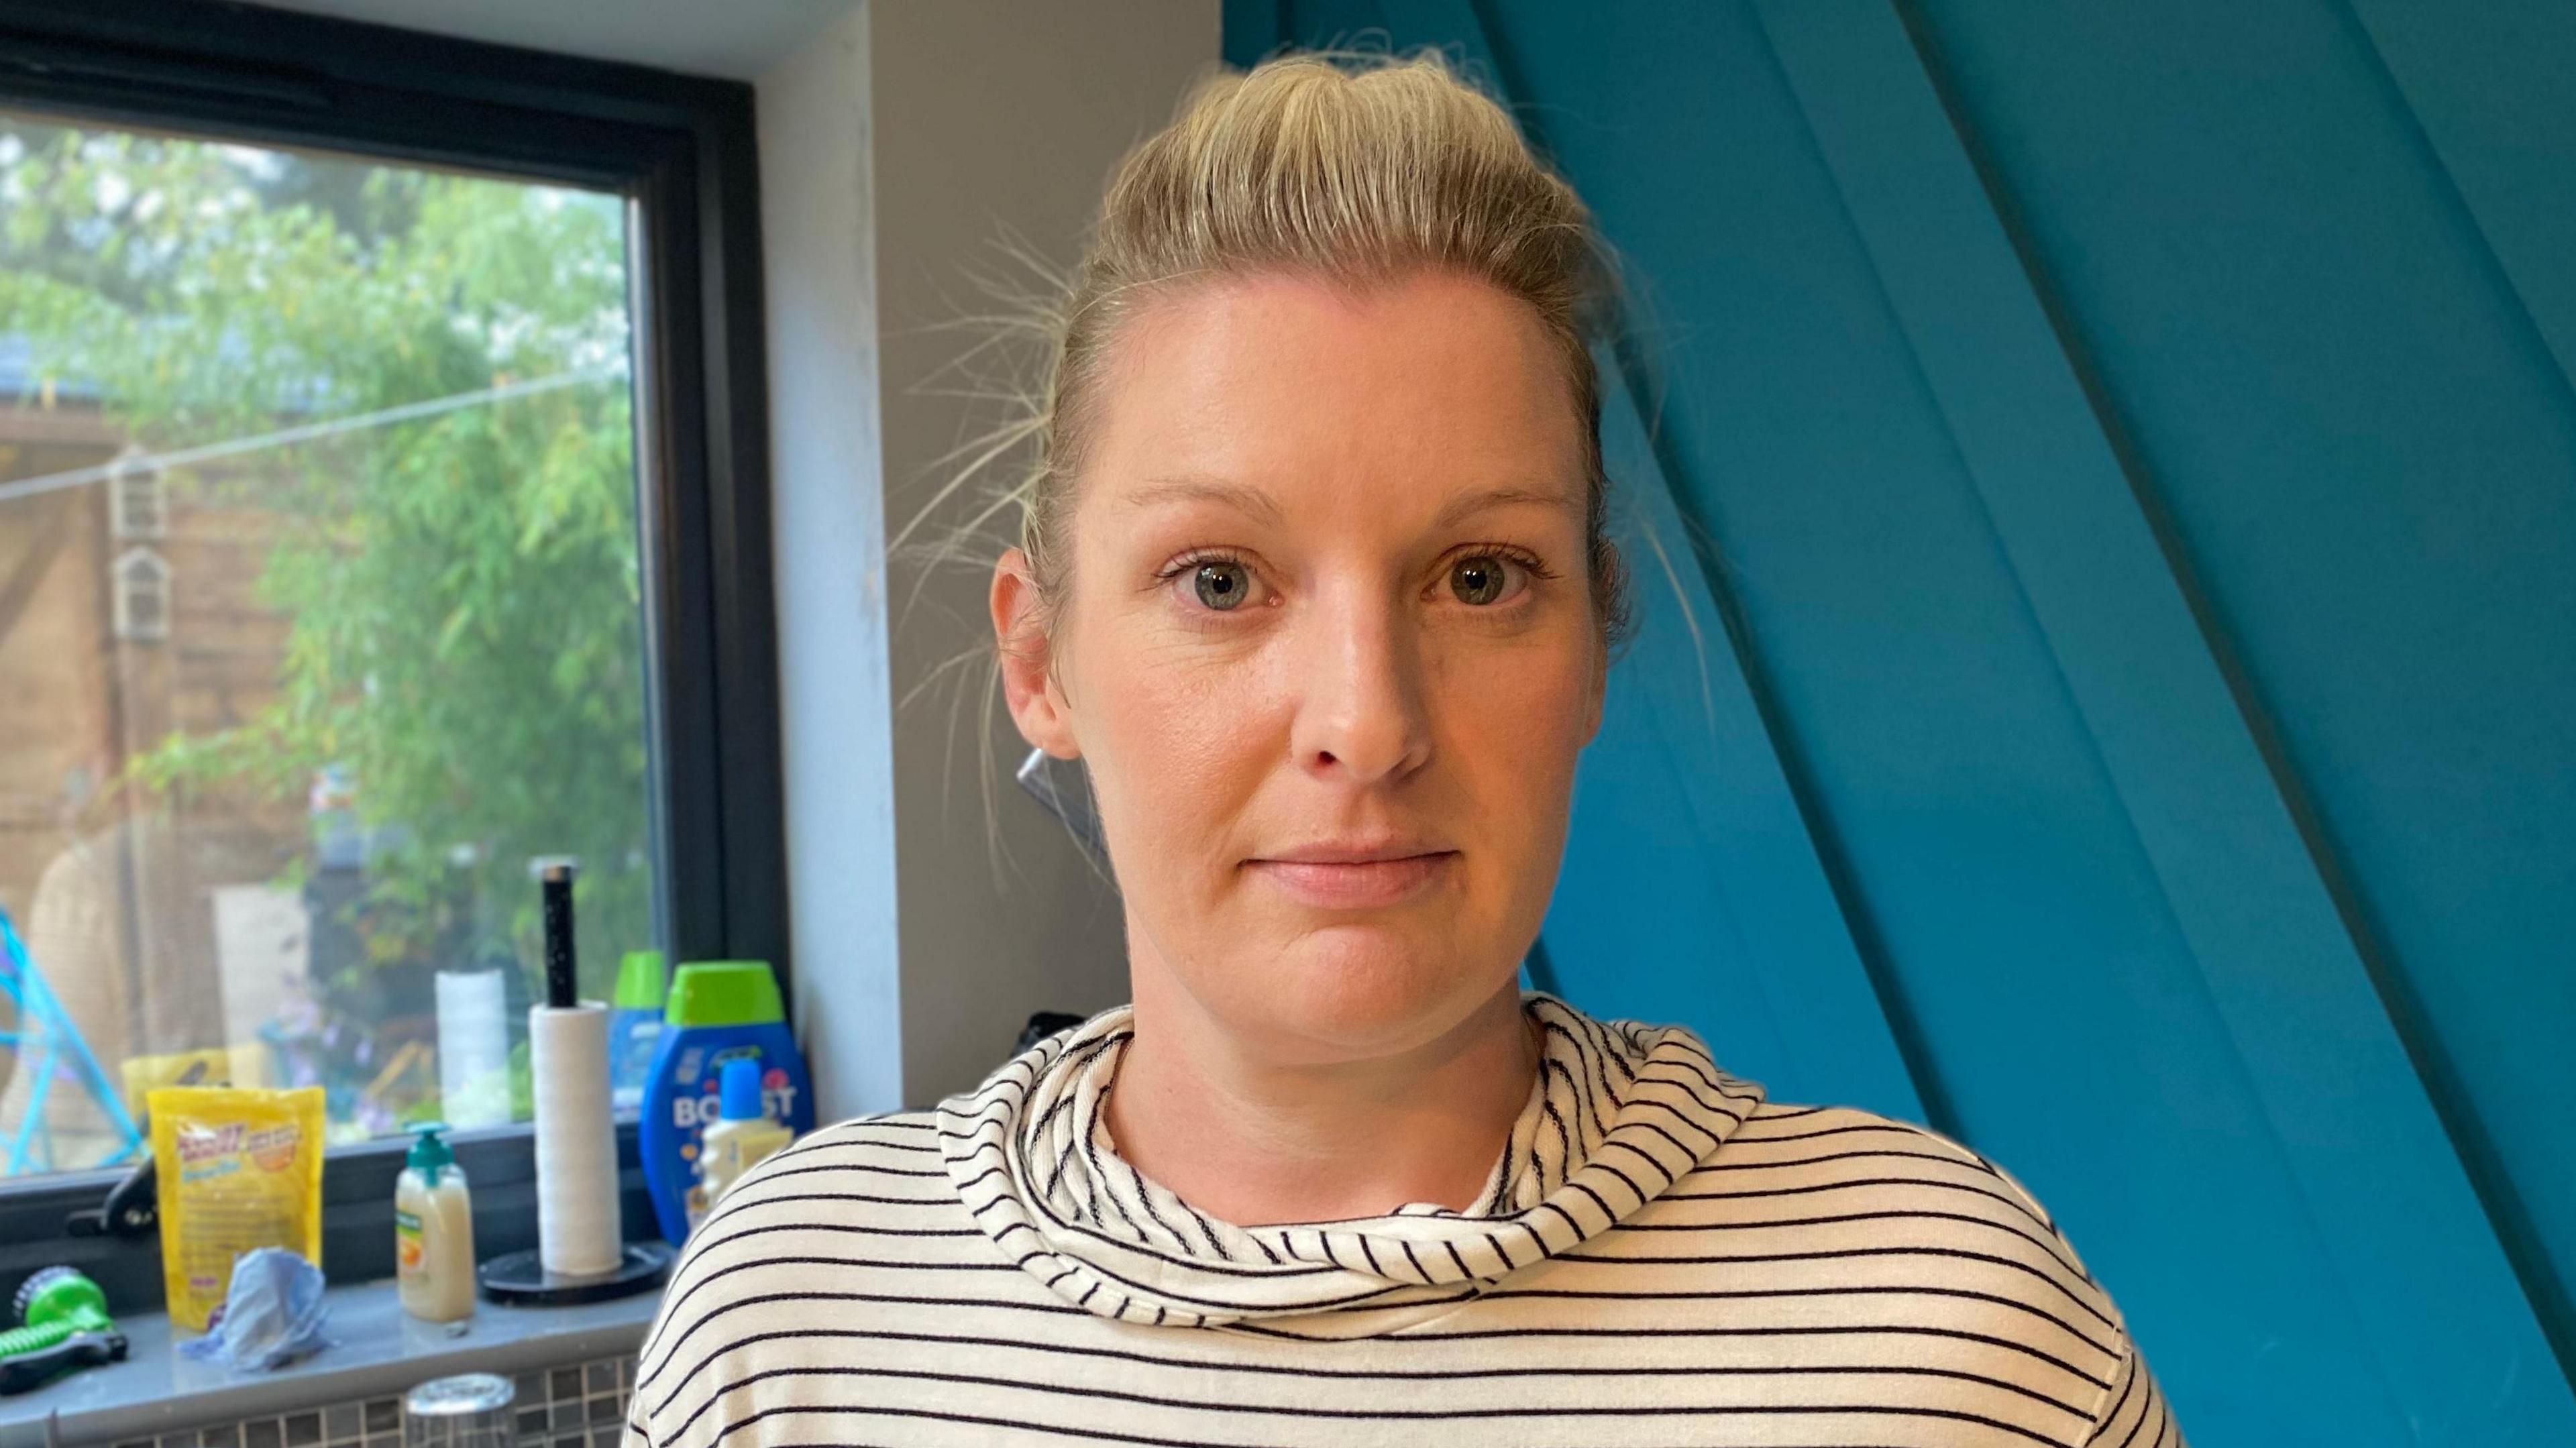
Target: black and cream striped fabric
(1659, 1257)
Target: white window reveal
(138, 500)
(142, 596)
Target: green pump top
(429, 1153)
(640, 985)
(724, 993)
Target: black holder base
(520, 1279)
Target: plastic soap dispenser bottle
(744, 1135)
(433, 1231)
(634, 1027)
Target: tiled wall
(581, 1406)
(574, 1407)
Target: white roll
(577, 1227)
(473, 1048)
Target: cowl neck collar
(1619, 1112)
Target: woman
(1314, 581)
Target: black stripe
(1220, 1304)
(1715, 1141)
(1689, 1153)
(1830, 1158)
(1584, 1105)
(1409, 1415)
(2009, 1229)
(1144, 1250)
(1898, 1127)
(1733, 1294)
(1040, 1429)
(1564, 1139)
(1609, 1218)
(671, 1308)
(1580, 1235)
(1504, 1176)
(1891, 1330)
(1690, 1088)
(1309, 1370)
(1845, 1253)
(645, 1376)
(1600, 1070)
(2047, 1234)
(842, 1228)
(1630, 1182)
(1206, 1228)
(978, 1179)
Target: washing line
(308, 432)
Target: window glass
(320, 618)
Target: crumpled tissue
(272, 1313)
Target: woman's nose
(1361, 719)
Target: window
(431, 370)
(402, 404)
(141, 608)
(134, 499)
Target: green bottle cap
(429, 1154)
(724, 993)
(639, 981)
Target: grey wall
(817, 235)
(990, 118)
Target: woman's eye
(1223, 584)
(1484, 579)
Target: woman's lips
(1354, 884)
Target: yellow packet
(238, 1169)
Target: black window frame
(683, 149)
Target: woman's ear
(1028, 660)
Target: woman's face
(1328, 649)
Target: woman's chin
(1353, 991)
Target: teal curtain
(2101, 486)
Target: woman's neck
(1255, 1142)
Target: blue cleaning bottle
(719, 1011)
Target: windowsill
(375, 1351)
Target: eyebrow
(1242, 497)
(1247, 498)
(1463, 508)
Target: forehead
(1402, 391)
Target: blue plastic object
(738, 1098)
(272, 1314)
(48, 1044)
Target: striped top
(1660, 1256)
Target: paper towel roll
(473, 1048)
(577, 1228)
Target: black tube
(556, 878)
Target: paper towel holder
(520, 1279)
